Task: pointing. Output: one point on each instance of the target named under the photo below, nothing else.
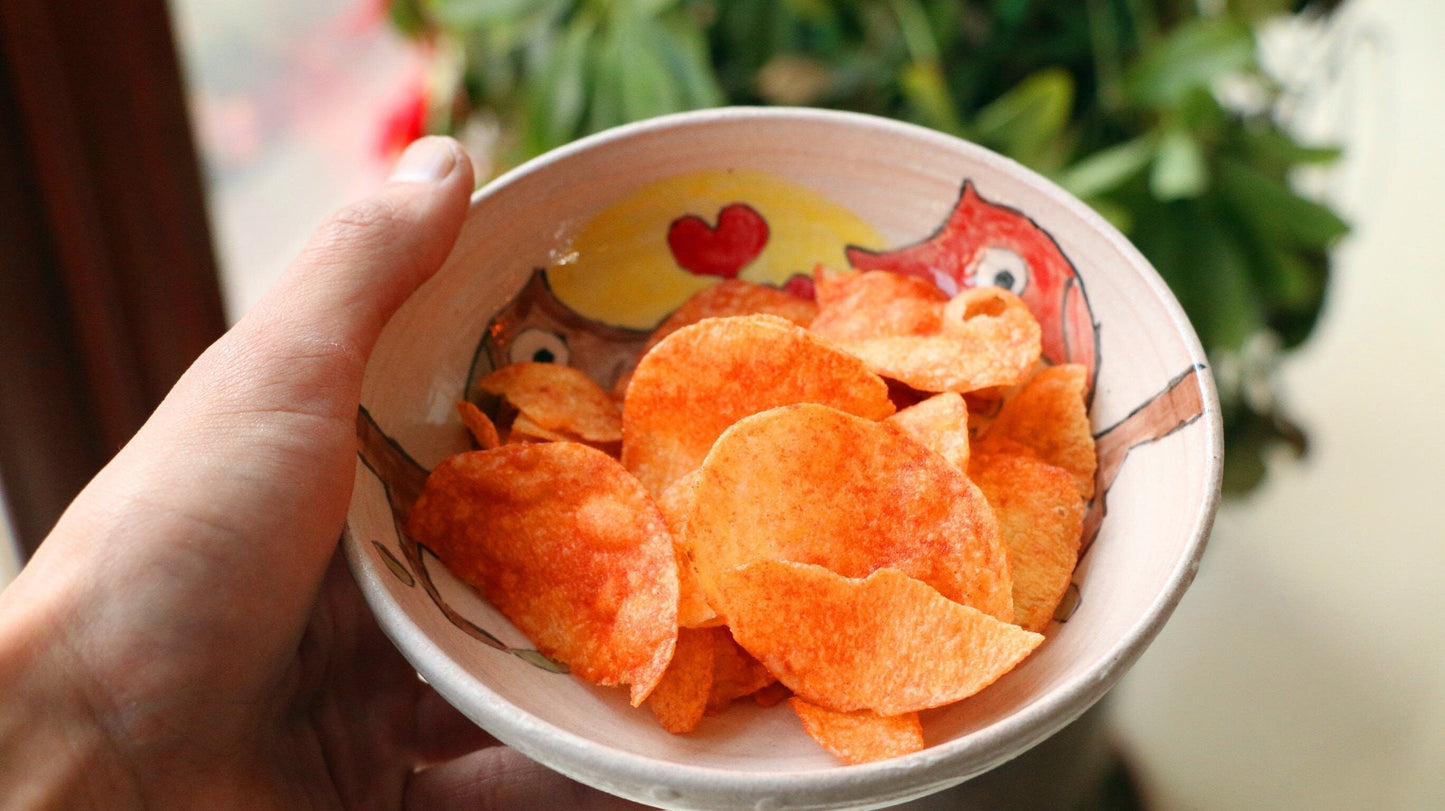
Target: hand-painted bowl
(574, 256)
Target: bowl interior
(821, 181)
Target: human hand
(188, 637)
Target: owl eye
(1001, 267)
(539, 346)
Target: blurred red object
(405, 121)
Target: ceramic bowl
(574, 256)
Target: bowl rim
(934, 768)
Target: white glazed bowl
(901, 181)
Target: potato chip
(886, 643)
(855, 306)
(558, 399)
(568, 546)
(940, 423)
(860, 736)
(735, 297)
(908, 330)
(1041, 518)
(525, 429)
(735, 672)
(693, 610)
(701, 379)
(680, 698)
(772, 695)
(479, 425)
(1049, 418)
(813, 484)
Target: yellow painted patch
(620, 270)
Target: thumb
(249, 460)
(364, 261)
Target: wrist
(53, 751)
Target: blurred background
(1279, 162)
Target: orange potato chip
(940, 423)
(525, 429)
(479, 425)
(886, 643)
(772, 695)
(693, 610)
(813, 484)
(680, 698)
(701, 379)
(735, 672)
(1048, 417)
(568, 546)
(558, 399)
(860, 736)
(735, 297)
(1041, 518)
(874, 304)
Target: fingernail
(427, 160)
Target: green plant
(1117, 100)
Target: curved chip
(813, 484)
(940, 423)
(874, 304)
(861, 736)
(680, 699)
(886, 643)
(479, 425)
(1048, 418)
(701, 379)
(735, 672)
(693, 610)
(568, 546)
(1041, 519)
(731, 297)
(558, 399)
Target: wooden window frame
(108, 281)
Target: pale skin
(187, 636)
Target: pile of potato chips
(867, 506)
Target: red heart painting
(739, 237)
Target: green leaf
(462, 15)
(648, 87)
(605, 75)
(407, 17)
(1276, 151)
(1179, 167)
(557, 102)
(687, 57)
(1276, 210)
(1195, 55)
(927, 92)
(1025, 120)
(1207, 267)
(1108, 169)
